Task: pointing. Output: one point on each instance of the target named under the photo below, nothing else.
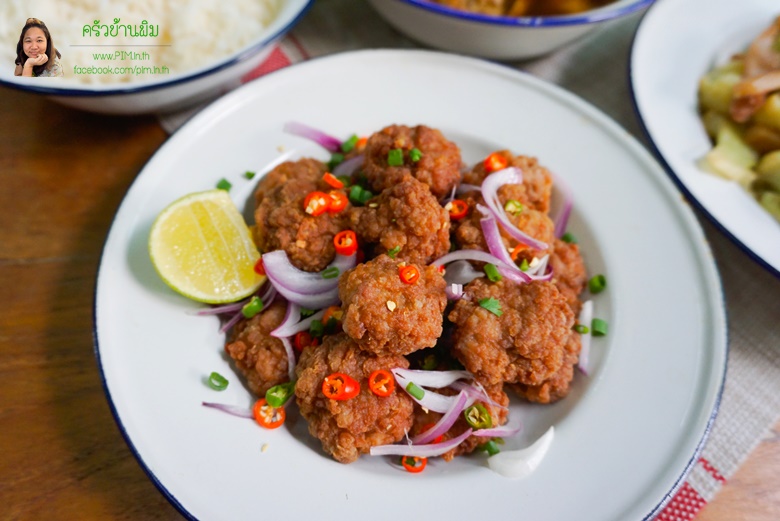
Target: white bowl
(176, 91)
(495, 37)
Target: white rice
(192, 34)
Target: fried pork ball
(349, 428)
(438, 165)
(534, 192)
(306, 169)
(257, 355)
(497, 406)
(385, 315)
(556, 386)
(526, 344)
(568, 271)
(282, 223)
(405, 216)
(468, 231)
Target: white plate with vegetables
(675, 48)
(626, 434)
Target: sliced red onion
(454, 291)
(225, 308)
(492, 236)
(585, 318)
(330, 143)
(281, 271)
(475, 255)
(538, 267)
(316, 301)
(504, 431)
(461, 272)
(267, 298)
(464, 188)
(241, 412)
(521, 463)
(421, 451)
(445, 422)
(238, 315)
(348, 166)
(288, 349)
(490, 186)
(476, 391)
(562, 217)
(292, 325)
(435, 379)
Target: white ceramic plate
(674, 46)
(624, 437)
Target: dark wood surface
(64, 175)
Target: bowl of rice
(145, 56)
(501, 29)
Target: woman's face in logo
(34, 42)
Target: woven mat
(595, 68)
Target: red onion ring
(329, 143)
(241, 412)
(421, 451)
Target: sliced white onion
(523, 462)
(294, 325)
(435, 379)
(490, 186)
(445, 422)
(281, 271)
(493, 237)
(241, 412)
(316, 301)
(585, 318)
(504, 431)
(330, 143)
(476, 391)
(421, 451)
(290, 357)
(562, 215)
(475, 255)
(348, 166)
(461, 272)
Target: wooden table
(64, 174)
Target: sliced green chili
(217, 382)
(581, 329)
(478, 416)
(513, 207)
(392, 252)
(492, 272)
(349, 145)
(253, 307)
(278, 395)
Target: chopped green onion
(415, 154)
(349, 145)
(416, 391)
(492, 272)
(581, 329)
(491, 448)
(217, 382)
(478, 416)
(524, 265)
(335, 160)
(224, 184)
(344, 179)
(492, 305)
(395, 157)
(317, 329)
(253, 307)
(430, 362)
(278, 395)
(392, 252)
(249, 174)
(359, 195)
(330, 273)
(599, 327)
(568, 237)
(305, 312)
(597, 284)
(513, 207)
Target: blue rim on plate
(86, 91)
(589, 17)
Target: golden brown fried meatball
(282, 223)
(306, 169)
(424, 419)
(568, 272)
(257, 355)
(387, 316)
(536, 190)
(525, 344)
(557, 386)
(349, 428)
(438, 167)
(405, 216)
(468, 231)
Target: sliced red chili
(361, 143)
(267, 416)
(437, 439)
(332, 313)
(457, 208)
(409, 274)
(339, 386)
(304, 339)
(345, 242)
(259, 268)
(495, 162)
(316, 203)
(414, 464)
(338, 201)
(381, 382)
(332, 180)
